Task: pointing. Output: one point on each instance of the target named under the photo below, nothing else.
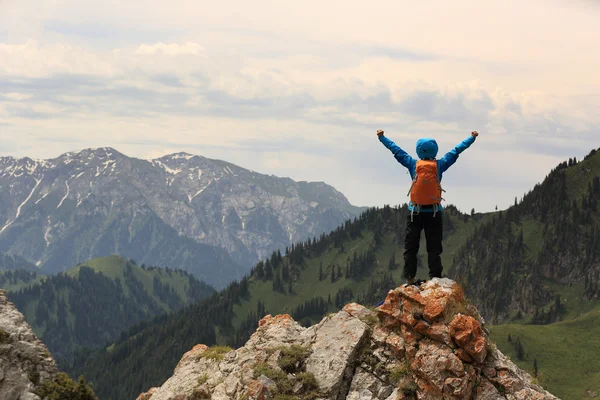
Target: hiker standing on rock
(425, 200)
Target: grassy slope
(114, 267)
(578, 179)
(566, 352)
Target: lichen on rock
(25, 362)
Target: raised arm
(400, 155)
(450, 157)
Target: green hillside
(566, 353)
(521, 264)
(92, 303)
(115, 267)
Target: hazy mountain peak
(96, 202)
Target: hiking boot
(414, 281)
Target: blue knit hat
(427, 148)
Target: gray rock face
(336, 342)
(207, 216)
(358, 354)
(24, 361)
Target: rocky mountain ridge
(25, 362)
(207, 216)
(424, 342)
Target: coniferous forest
(88, 308)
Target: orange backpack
(426, 188)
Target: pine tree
(520, 350)
(260, 270)
(285, 273)
(268, 271)
(321, 271)
(392, 264)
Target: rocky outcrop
(25, 362)
(423, 343)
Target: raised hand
(379, 132)
(474, 133)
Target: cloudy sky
(299, 88)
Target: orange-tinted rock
(486, 391)
(422, 327)
(407, 318)
(278, 319)
(440, 333)
(389, 312)
(440, 373)
(463, 355)
(147, 395)
(410, 335)
(468, 335)
(380, 334)
(259, 390)
(507, 381)
(358, 311)
(411, 351)
(396, 344)
(192, 354)
(489, 372)
(438, 295)
(412, 293)
(437, 331)
(457, 388)
(428, 391)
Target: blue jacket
(426, 149)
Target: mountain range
(206, 216)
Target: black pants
(433, 227)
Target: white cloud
(17, 96)
(170, 49)
(299, 89)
